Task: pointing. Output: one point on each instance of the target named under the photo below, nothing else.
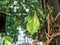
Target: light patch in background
(15, 9)
(27, 10)
(15, 2)
(21, 38)
(41, 43)
(11, 6)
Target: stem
(49, 19)
(57, 16)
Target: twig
(57, 16)
(47, 42)
(48, 35)
(49, 19)
(55, 34)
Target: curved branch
(52, 37)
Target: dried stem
(57, 16)
(52, 37)
(49, 19)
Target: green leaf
(33, 23)
(4, 2)
(41, 12)
(8, 38)
(15, 25)
(5, 42)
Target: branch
(57, 16)
(47, 42)
(55, 34)
(49, 18)
(48, 35)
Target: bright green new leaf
(33, 23)
(5, 42)
(8, 38)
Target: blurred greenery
(19, 13)
(16, 15)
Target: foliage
(18, 17)
(8, 38)
(11, 22)
(5, 42)
(33, 22)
